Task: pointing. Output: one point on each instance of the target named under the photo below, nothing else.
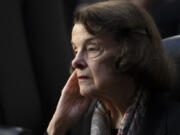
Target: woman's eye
(93, 51)
(92, 48)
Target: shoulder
(169, 109)
(162, 117)
(173, 118)
(166, 115)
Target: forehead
(79, 29)
(80, 34)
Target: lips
(83, 77)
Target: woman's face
(94, 61)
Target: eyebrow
(86, 41)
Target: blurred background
(35, 54)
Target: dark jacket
(162, 118)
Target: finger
(72, 82)
(72, 79)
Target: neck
(118, 103)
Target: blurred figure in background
(165, 14)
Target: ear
(121, 60)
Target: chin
(87, 92)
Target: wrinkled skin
(93, 78)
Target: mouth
(83, 77)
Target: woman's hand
(70, 108)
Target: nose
(79, 62)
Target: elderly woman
(120, 70)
